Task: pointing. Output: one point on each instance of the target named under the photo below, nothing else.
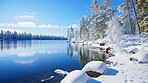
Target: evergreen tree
(81, 28)
(136, 16)
(99, 17)
(124, 8)
(1, 34)
(142, 8)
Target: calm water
(32, 61)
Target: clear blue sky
(51, 17)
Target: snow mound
(96, 66)
(61, 72)
(133, 50)
(142, 56)
(76, 76)
(43, 80)
(114, 31)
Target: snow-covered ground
(121, 69)
(125, 70)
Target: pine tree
(81, 28)
(124, 8)
(142, 8)
(99, 17)
(136, 16)
(1, 34)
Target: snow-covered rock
(90, 42)
(61, 72)
(134, 50)
(76, 76)
(96, 66)
(72, 40)
(142, 56)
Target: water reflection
(37, 59)
(12, 45)
(32, 61)
(85, 53)
(28, 61)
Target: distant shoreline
(33, 39)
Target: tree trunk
(136, 16)
(110, 14)
(109, 11)
(129, 18)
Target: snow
(142, 56)
(125, 70)
(43, 80)
(114, 31)
(128, 71)
(76, 76)
(96, 66)
(121, 69)
(70, 34)
(123, 45)
(61, 72)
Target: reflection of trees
(15, 44)
(85, 54)
(1, 45)
(99, 56)
(70, 49)
(8, 45)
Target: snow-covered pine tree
(87, 27)
(81, 28)
(99, 17)
(114, 31)
(70, 34)
(142, 8)
(76, 36)
(90, 28)
(124, 8)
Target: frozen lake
(32, 61)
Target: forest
(99, 24)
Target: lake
(33, 60)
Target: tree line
(8, 35)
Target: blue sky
(50, 17)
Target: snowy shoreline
(121, 68)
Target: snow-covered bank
(121, 69)
(128, 71)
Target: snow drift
(96, 66)
(76, 76)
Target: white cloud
(48, 26)
(74, 25)
(27, 15)
(33, 25)
(20, 24)
(24, 17)
(30, 13)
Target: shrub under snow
(142, 56)
(114, 31)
